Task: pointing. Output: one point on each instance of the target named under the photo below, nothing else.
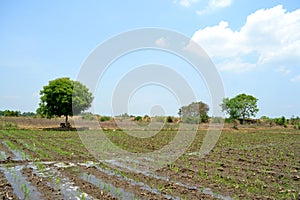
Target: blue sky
(254, 44)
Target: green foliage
(11, 113)
(169, 119)
(280, 121)
(194, 113)
(105, 118)
(138, 118)
(88, 116)
(28, 114)
(240, 107)
(63, 96)
(294, 120)
(7, 125)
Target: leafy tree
(65, 97)
(11, 113)
(240, 107)
(194, 113)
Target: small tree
(65, 97)
(240, 107)
(195, 112)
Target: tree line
(16, 113)
(65, 97)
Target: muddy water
(207, 191)
(119, 193)
(67, 188)
(22, 188)
(19, 156)
(142, 185)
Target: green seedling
(25, 190)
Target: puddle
(64, 165)
(22, 188)
(142, 185)
(114, 191)
(19, 156)
(207, 191)
(58, 181)
(2, 156)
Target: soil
(6, 190)
(48, 193)
(249, 163)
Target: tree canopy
(65, 97)
(194, 113)
(240, 107)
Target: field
(250, 163)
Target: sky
(254, 45)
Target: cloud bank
(269, 37)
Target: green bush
(11, 113)
(280, 121)
(138, 118)
(88, 116)
(169, 119)
(105, 118)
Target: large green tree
(194, 113)
(240, 107)
(64, 97)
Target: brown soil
(48, 193)
(87, 187)
(6, 190)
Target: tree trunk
(66, 120)
(243, 119)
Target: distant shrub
(146, 118)
(11, 113)
(169, 119)
(105, 118)
(88, 116)
(28, 114)
(138, 118)
(280, 121)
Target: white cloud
(187, 3)
(220, 3)
(236, 65)
(214, 5)
(296, 79)
(271, 34)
